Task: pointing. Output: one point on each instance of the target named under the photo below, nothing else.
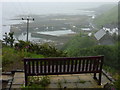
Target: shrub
(11, 57)
(117, 83)
(42, 81)
(44, 49)
(77, 43)
(111, 53)
(9, 38)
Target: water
(11, 10)
(58, 32)
(32, 39)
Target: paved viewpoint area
(64, 81)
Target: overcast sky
(59, 0)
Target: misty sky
(59, 0)
(45, 7)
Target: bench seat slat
(87, 63)
(90, 66)
(48, 66)
(79, 65)
(71, 66)
(83, 64)
(64, 66)
(29, 67)
(44, 67)
(33, 67)
(68, 65)
(41, 67)
(37, 67)
(75, 65)
(53, 66)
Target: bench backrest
(63, 65)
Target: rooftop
(98, 35)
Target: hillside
(110, 18)
(103, 8)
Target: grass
(59, 83)
(81, 81)
(42, 81)
(12, 59)
(109, 17)
(113, 72)
(65, 81)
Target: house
(103, 38)
(111, 30)
(86, 29)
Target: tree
(9, 38)
(6, 38)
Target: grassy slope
(12, 59)
(109, 17)
(77, 43)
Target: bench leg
(95, 76)
(26, 80)
(100, 75)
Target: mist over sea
(10, 10)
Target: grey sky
(59, 0)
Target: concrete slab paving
(64, 81)
(52, 85)
(19, 74)
(18, 80)
(71, 79)
(69, 85)
(65, 75)
(86, 77)
(6, 77)
(85, 85)
(16, 86)
(56, 79)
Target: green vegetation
(44, 49)
(82, 81)
(117, 83)
(109, 17)
(112, 71)
(9, 38)
(37, 82)
(87, 46)
(12, 59)
(42, 81)
(111, 53)
(74, 46)
(59, 83)
(11, 56)
(65, 81)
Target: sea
(11, 10)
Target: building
(103, 38)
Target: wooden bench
(63, 65)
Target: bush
(9, 38)
(42, 81)
(111, 53)
(77, 43)
(12, 59)
(44, 49)
(117, 83)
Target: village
(76, 49)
